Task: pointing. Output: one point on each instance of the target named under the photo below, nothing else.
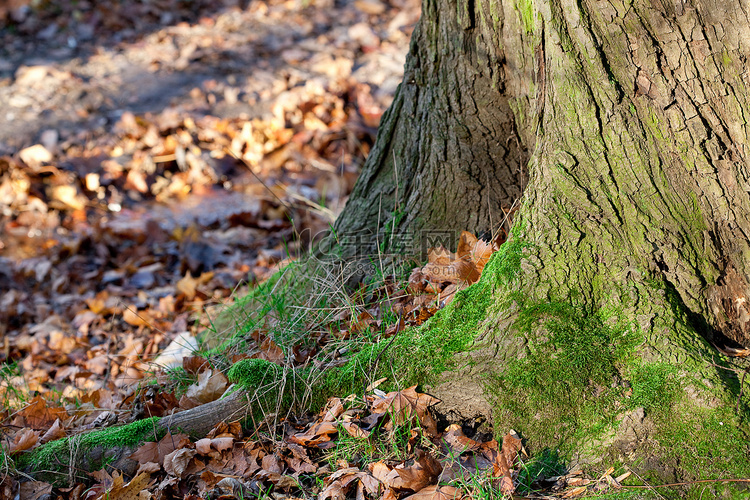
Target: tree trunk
(448, 155)
(633, 229)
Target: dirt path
(68, 76)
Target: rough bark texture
(448, 155)
(634, 114)
(641, 165)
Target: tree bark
(448, 155)
(632, 115)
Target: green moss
(420, 354)
(566, 386)
(252, 374)
(543, 465)
(654, 386)
(271, 387)
(51, 462)
(526, 11)
(700, 442)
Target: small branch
(687, 483)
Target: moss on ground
(54, 461)
(418, 355)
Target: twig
(375, 363)
(742, 388)
(238, 158)
(687, 483)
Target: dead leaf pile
(227, 464)
(158, 157)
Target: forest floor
(157, 160)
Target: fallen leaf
(355, 430)
(156, 451)
(319, 433)
(187, 286)
(458, 441)
(177, 462)
(130, 491)
(23, 441)
(436, 492)
(209, 387)
(134, 317)
(35, 156)
(34, 490)
(505, 460)
(406, 405)
(55, 432)
(38, 415)
(575, 492)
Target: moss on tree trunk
(633, 227)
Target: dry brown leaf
(177, 462)
(436, 492)
(187, 286)
(34, 490)
(446, 296)
(575, 492)
(319, 433)
(134, 317)
(299, 462)
(505, 460)
(364, 320)
(35, 156)
(334, 491)
(205, 445)
(481, 254)
(67, 195)
(209, 387)
(156, 451)
(466, 244)
(466, 270)
(417, 281)
(511, 447)
(379, 471)
(55, 432)
(439, 273)
(404, 405)
(149, 467)
(440, 256)
(23, 441)
(270, 351)
(333, 409)
(224, 429)
(38, 416)
(355, 430)
(136, 180)
(458, 441)
(271, 463)
(425, 472)
(130, 491)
